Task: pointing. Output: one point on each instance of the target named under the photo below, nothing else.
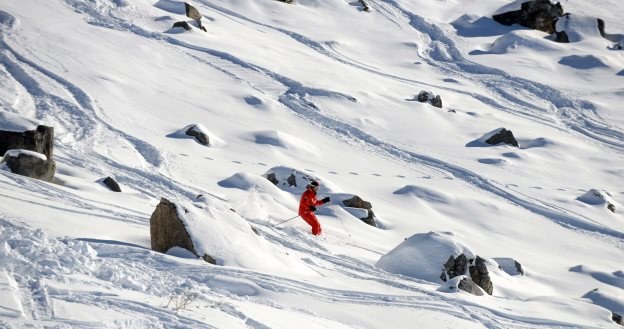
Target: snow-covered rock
(30, 164)
(596, 197)
(40, 139)
(537, 14)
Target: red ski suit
(308, 198)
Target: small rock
(111, 184)
(182, 24)
(466, 284)
(199, 135)
(503, 136)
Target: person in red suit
(307, 206)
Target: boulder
(480, 275)
(183, 24)
(429, 97)
(538, 14)
(167, 230)
(193, 13)
(111, 184)
(365, 5)
(466, 284)
(617, 319)
(357, 202)
(30, 164)
(200, 136)
(454, 266)
(503, 136)
(40, 140)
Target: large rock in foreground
(538, 14)
(357, 202)
(40, 140)
(30, 164)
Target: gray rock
(357, 202)
(519, 267)
(538, 14)
(111, 184)
(503, 136)
(429, 97)
(480, 275)
(167, 230)
(40, 140)
(292, 180)
(466, 284)
(617, 318)
(562, 37)
(31, 166)
(271, 177)
(182, 24)
(193, 13)
(365, 5)
(202, 138)
(454, 266)
(285, 1)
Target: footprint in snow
(237, 162)
(333, 172)
(208, 158)
(262, 164)
(399, 176)
(378, 175)
(353, 173)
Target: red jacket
(308, 198)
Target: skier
(307, 206)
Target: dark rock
(538, 14)
(167, 230)
(357, 202)
(199, 135)
(617, 318)
(183, 25)
(429, 97)
(519, 267)
(611, 207)
(454, 266)
(466, 284)
(292, 180)
(111, 184)
(562, 37)
(30, 166)
(365, 5)
(271, 177)
(285, 1)
(40, 140)
(480, 275)
(503, 136)
(192, 12)
(601, 28)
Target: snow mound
(596, 197)
(579, 27)
(613, 303)
(214, 140)
(425, 194)
(281, 139)
(218, 231)
(522, 40)
(580, 62)
(16, 123)
(423, 255)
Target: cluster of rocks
(192, 13)
(474, 273)
(428, 97)
(29, 153)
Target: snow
(17, 152)
(279, 90)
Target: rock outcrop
(468, 285)
(167, 230)
(357, 202)
(454, 266)
(429, 97)
(111, 184)
(538, 14)
(30, 164)
(40, 140)
(477, 270)
(503, 136)
(193, 13)
(480, 275)
(200, 136)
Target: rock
(466, 284)
(30, 164)
(292, 180)
(192, 12)
(271, 177)
(429, 97)
(538, 14)
(562, 37)
(40, 140)
(598, 197)
(167, 230)
(617, 319)
(199, 135)
(480, 275)
(454, 266)
(509, 266)
(503, 136)
(365, 5)
(357, 202)
(111, 184)
(183, 25)
(285, 1)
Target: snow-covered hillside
(327, 91)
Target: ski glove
(326, 200)
(313, 208)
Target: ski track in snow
(295, 99)
(44, 263)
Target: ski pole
(280, 223)
(343, 225)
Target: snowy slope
(328, 90)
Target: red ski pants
(311, 219)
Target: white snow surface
(16, 153)
(320, 89)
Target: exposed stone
(30, 166)
(538, 14)
(429, 97)
(111, 184)
(562, 37)
(292, 180)
(357, 202)
(617, 318)
(466, 284)
(40, 140)
(601, 28)
(183, 24)
(193, 13)
(437, 101)
(519, 267)
(503, 136)
(365, 5)
(286, 1)
(480, 275)
(199, 135)
(454, 266)
(611, 207)
(271, 177)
